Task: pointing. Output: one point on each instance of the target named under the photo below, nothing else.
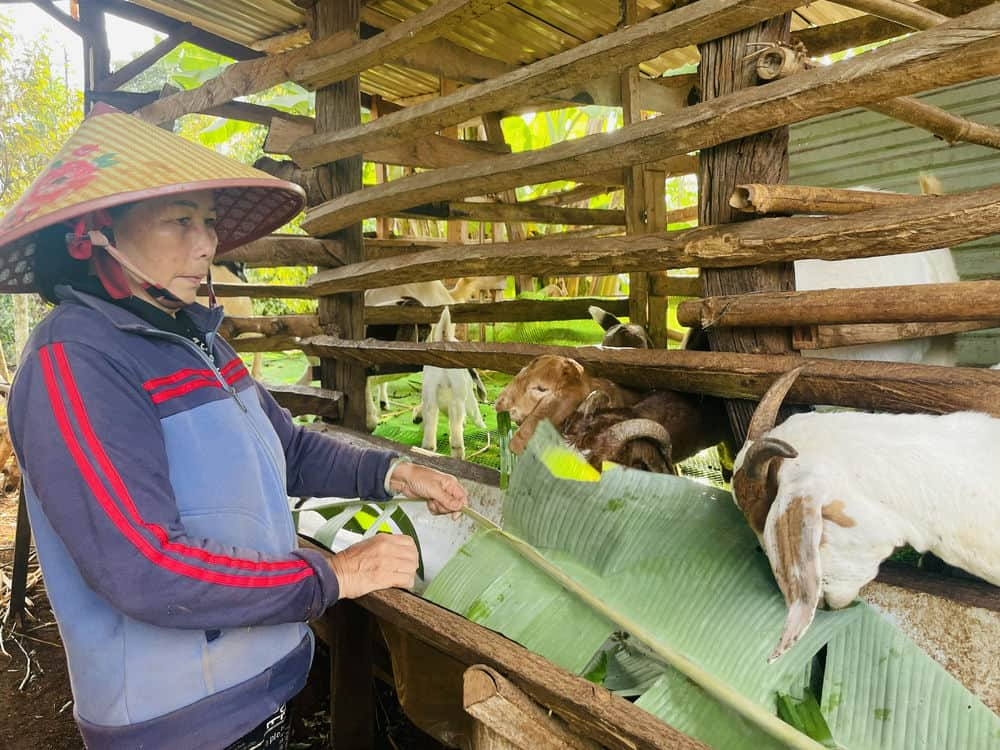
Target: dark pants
(271, 734)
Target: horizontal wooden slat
(944, 221)
(831, 336)
(884, 386)
(288, 250)
(960, 50)
(513, 212)
(912, 303)
(257, 291)
(511, 311)
(304, 399)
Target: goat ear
(792, 537)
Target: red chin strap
(88, 242)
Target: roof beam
(960, 50)
(613, 52)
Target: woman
(156, 469)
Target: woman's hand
(442, 491)
(384, 561)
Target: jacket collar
(207, 319)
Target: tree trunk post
(757, 158)
(338, 106)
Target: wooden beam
(969, 592)
(241, 79)
(662, 285)
(131, 69)
(514, 212)
(379, 248)
(805, 338)
(609, 53)
(857, 32)
(265, 344)
(62, 17)
(960, 50)
(943, 124)
(390, 44)
(940, 221)
(913, 303)
(898, 11)
(803, 199)
(288, 250)
(494, 701)
(279, 325)
(574, 195)
(277, 291)
(432, 152)
(96, 55)
(603, 716)
(510, 311)
(882, 386)
(302, 399)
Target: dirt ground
(36, 711)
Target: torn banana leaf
(676, 560)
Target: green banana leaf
(675, 560)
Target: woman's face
(170, 239)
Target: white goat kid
(833, 494)
(450, 389)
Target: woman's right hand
(384, 561)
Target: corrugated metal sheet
(858, 147)
(520, 32)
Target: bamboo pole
(832, 336)
(801, 199)
(913, 303)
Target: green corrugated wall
(858, 147)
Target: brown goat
(552, 387)
(663, 427)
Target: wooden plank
(431, 152)
(857, 32)
(607, 718)
(509, 311)
(637, 208)
(882, 386)
(828, 337)
(352, 686)
(912, 303)
(942, 124)
(944, 221)
(515, 212)
(960, 50)
(390, 44)
(610, 53)
(288, 250)
(304, 399)
(278, 291)
(662, 285)
(505, 710)
(970, 592)
(241, 79)
(279, 325)
(804, 199)
(904, 13)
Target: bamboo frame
(802, 199)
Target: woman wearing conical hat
(156, 470)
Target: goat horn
(634, 429)
(766, 413)
(760, 453)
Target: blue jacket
(157, 484)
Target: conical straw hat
(115, 158)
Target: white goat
(451, 389)
(833, 494)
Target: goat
(831, 495)
(552, 387)
(449, 388)
(616, 333)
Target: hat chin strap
(162, 296)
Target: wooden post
(757, 158)
(636, 208)
(96, 57)
(508, 719)
(493, 130)
(22, 551)
(352, 699)
(383, 224)
(338, 106)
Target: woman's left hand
(442, 491)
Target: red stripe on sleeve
(301, 566)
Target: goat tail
(441, 331)
(602, 317)
(792, 537)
